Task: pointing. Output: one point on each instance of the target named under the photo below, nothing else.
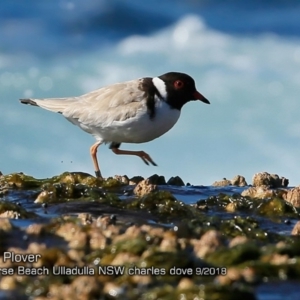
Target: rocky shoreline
(76, 236)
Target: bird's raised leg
(93, 151)
(143, 155)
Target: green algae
(163, 204)
(233, 256)
(23, 181)
(201, 291)
(134, 246)
(272, 207)
(19, 212)
(276, 207)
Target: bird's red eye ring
(178, 84)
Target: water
(244, 57)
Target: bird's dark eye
(178, 84)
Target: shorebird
(135, 111)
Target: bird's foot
(146, 158)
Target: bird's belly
(141, 128)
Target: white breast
(140, 128)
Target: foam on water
(251, 125)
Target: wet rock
(144, 187)
(74, 234)
(239, 180)
(157, 179)
(75, 178)
(238, 254)
(83, 287)
(104, 221)
(85, 218)
(162, 204)
(125, 258)
(260, 192)
(208, 243)
(153, 233)
(135, 180)
(293, 196)
(296, 229)
(185, 283)
(20, 180)
(35, 229)
(274, 207)
(46, 197)
(14, 211)
(175, 181)
(111, 288)
(232, 275)
(240, 239)
(123, 179)
(8, 283)
(272, 180)
(4, 187)
(133, 232)
(223, 182)
(97, 239)
(5, 225)
(231, 207)
(169, 242)
(112, 183)
(237, 275)
(86, 287)
(279, 259)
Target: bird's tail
(53, 104)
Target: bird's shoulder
(116, 95)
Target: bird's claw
(147, 159)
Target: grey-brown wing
(117, 102)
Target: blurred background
(244, 56)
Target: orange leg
(93, 151)
(143, 155)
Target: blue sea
(244, 56)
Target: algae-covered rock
(201, 291)
(236, 255)
(162, 203)
(14, 211)
(272, 180)
(208, 243)
(62, 192)
(123, 179)
(144, 187)
(275, 207)
(21, 180)
(4, 187)
(112, 183)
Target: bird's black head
(180, 89)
